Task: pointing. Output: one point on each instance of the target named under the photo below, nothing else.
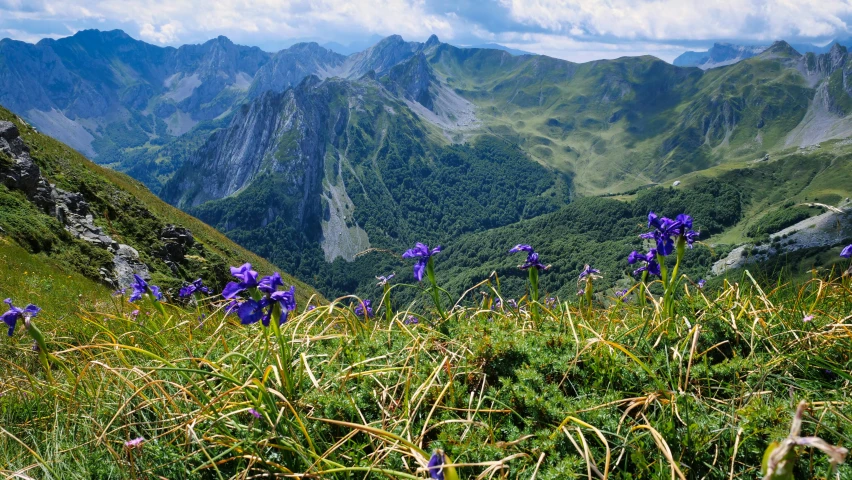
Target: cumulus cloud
(163, 34)
(679, 19)
(573, 29)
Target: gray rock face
(126, 263)
(290, 66)
(23, 174)
(70, 208)
(283, 134)
(176, 240)
(412, 80)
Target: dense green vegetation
(465, 188)
(155, 163)
(596, 231)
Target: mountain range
(721, 54)
(309, 157)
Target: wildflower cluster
(666, 231)
(670, 236)
(256, 300)
(364, 308)
(192, 288)
(651, 266)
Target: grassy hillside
(125, 209)
(620, 124)
(621, 389)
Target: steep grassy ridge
(124, 209)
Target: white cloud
(164, 34)
(759, 20)
(572, 29)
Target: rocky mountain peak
(412, 79)
(432, 41)
(780, 48)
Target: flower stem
(534, 292)
(680, 248)
(386, 301)
(436, 295)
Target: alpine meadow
(591, 240)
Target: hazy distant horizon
(570, 29)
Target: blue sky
(577, 30)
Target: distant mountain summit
(719, 55)
(497, 46)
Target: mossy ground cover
(611, 390)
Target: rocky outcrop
(290, 66)
(176, 241)
(412, 80)
(21, 173)
(822, 231)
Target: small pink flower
(135, 443)
(254, 413)
(808, 318)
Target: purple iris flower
(232, 307)
(11, 317)
(310, 307)
(270, 283)
(666, 229)
(141, 287)
(846, 252)
(497, 303)
(287, 300)
(651, 266)
(435, 464)
(620, 294)
(196, 286)
(701, 283)
(521, 247)
(588, 271)
(422, 253)
(254, 413)
(512, 303)
(251, 311)
(411, 320)
(532, 257)
(247, 279)
(533, 262)
(384, 280)
(363, 306)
